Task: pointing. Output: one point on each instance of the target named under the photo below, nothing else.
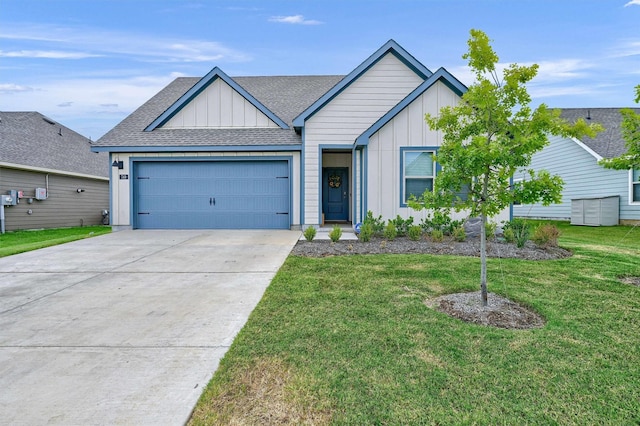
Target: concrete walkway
(322, 233)
(126, 328)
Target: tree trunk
(483, 260)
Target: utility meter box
(41, 194)
(7, 200)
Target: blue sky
(89, 63)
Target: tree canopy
(488, 136)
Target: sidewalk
(323, 233)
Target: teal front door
(335, 193)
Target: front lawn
(349, 340)
(20, 241)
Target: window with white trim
(418, 172)
(635, 186)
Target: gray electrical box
(41, 193)
(7, 200)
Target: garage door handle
(212, 201)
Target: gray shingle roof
(285, 96)
(609, 143)
(33, 140)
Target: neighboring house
(55, 178)
(280, 152)
(576, 161)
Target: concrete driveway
(126, 328)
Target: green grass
(22, 241)
(349, 340)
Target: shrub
(439, 218)
(390, 231)
(451, 227)
(520, 229)
(437, 235)
(335, 233)
(509, 235)
(366, 232)
(309, 233)
(402, 225)
(546, 236)
(490, 230)
(459, 234)
(377, 224)
(414, 232)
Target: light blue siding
(583, 178)
(212, 195)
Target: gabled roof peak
(390, 46)
(200, 86)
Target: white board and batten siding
(219, 106)
(583, 178)
(348, 115)
(407, 129)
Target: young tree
(631, 136)
(489, 135)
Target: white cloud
(562, 69)
(46, 54)
(14, 88)
(632, 2)
(551, 91)
(100, 103)
(548, 71)
(294, 19)
(627, 48)
(142, 47)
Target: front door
(335, 193)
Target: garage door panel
(212, 195)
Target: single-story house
(50, 174)
(595, 193)
(280, 152)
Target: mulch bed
(403, 245)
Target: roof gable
(215, 74)
(440, 75)
(390, 47)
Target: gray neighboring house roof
(285, 96)
(609, 143)
(31, 139)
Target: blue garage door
(212, 195)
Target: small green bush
(521, 231)
(459, 234)
(546, 236)
(414, 232)
(509, 235)
(390, 231)
(377, 224)
(366, 232)
(335, 233)
(490, 230)
(402, 225)
(309, 233)
(437, 235)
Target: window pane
(636, 175)
(636, 192)
(418, 163)
(463, 194)
(416, 187)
